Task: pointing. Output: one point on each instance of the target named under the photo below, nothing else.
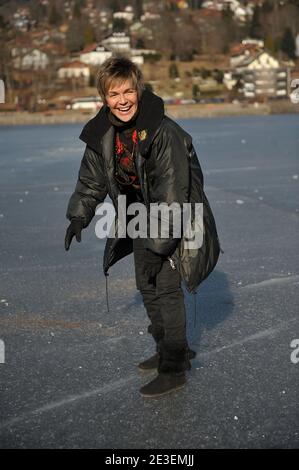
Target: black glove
(152, 264)
(73, 229)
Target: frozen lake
(70, 378)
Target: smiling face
(122, 99)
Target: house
(127, 14)
(262, 75)
(261, 60)
(137, 57)
(262, 82)
(210, 4)
(95, 54)
(92, 103)
(117, 42)
(148, 16)
(21, 19)
(247, 48)
(26, 58)
(229, 80)
(242, 12)
(76, 70)
(144, 52)
(121, 43)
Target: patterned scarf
(125, 150)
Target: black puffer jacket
(168, 170)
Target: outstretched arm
(90, 191)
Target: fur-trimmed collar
(151, 113)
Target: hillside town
(190, 52)
(149, 245)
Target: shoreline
(182, 111)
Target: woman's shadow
(211, 305)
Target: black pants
(163, 300)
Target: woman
(133, 149)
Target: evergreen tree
(229, 24)
(227, 14)
(173, 71)
(38, 12)
(138, 8)
(54, 16)
(92, 81)
(195, 4)
(195, 92)
(267, 6)
(288, 43)
(255, 27)
(204, 73)
(3, 23)
(88, 33)
(218, 75)
(115, 5)
(75, 36)
(77, 10)
(270, 44)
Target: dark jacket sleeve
(90, 189)
(168, 173)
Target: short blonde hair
(118, 69)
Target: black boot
(152, 363)
(171, 375)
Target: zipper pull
(171, 263)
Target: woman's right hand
(74, 229)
